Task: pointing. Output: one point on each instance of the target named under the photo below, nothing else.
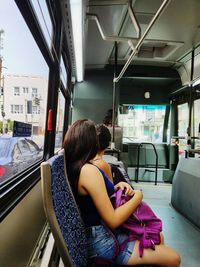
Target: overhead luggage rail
(138, 161)
(137, 47)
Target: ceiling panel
(175, 32)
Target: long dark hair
(108, 117)
(80, 144)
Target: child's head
(104, 137)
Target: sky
(20, 53)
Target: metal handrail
(138, 159)
(138, 45)
(193, 151)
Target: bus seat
(113, 160)
(63, 214)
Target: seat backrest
(62, 213)
(119, 174)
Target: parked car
(16, 154)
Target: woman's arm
(91, 182)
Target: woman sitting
(92, 189)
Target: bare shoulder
(90, 173)
(87, 168)
(90, 177)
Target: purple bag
(142, 225)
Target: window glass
(4, 143)
(143, 123)
(23, 146)
(32, 146)
(183, 121)
(16, 153)
(168, 129)
(60, 121)
(197, 122)
(16, 108)
(25, 90)
(34, 92)
(16, 91)
(24, 79)
(63, 73)
(43, 16)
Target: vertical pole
(114, 95)
(190, 143)
(113, 112)
(173, 153)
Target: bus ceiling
(151, 33)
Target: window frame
(15, 188)
(16, 88)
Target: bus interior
(138, 59)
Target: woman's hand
(138, 194)
(129, 191)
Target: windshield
(3, 145)
(142, 123)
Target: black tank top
(88, 210)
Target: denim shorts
(101, 244)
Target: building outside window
(25, 90)
(35, 109)
(34, 92)
(30, 106)
(143, 123)
(16, 91)
(21, 77)
(16, 108)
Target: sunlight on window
(197, 122)
(143, 123)
(23, 97)
(59, 121)
(183, 120)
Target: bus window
(183, 121)
(143, 123)
(63, 73)
(44, 19)
(196, 122)
(24, 83)
(60, 121)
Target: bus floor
(179, 232)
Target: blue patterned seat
(63, 214)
